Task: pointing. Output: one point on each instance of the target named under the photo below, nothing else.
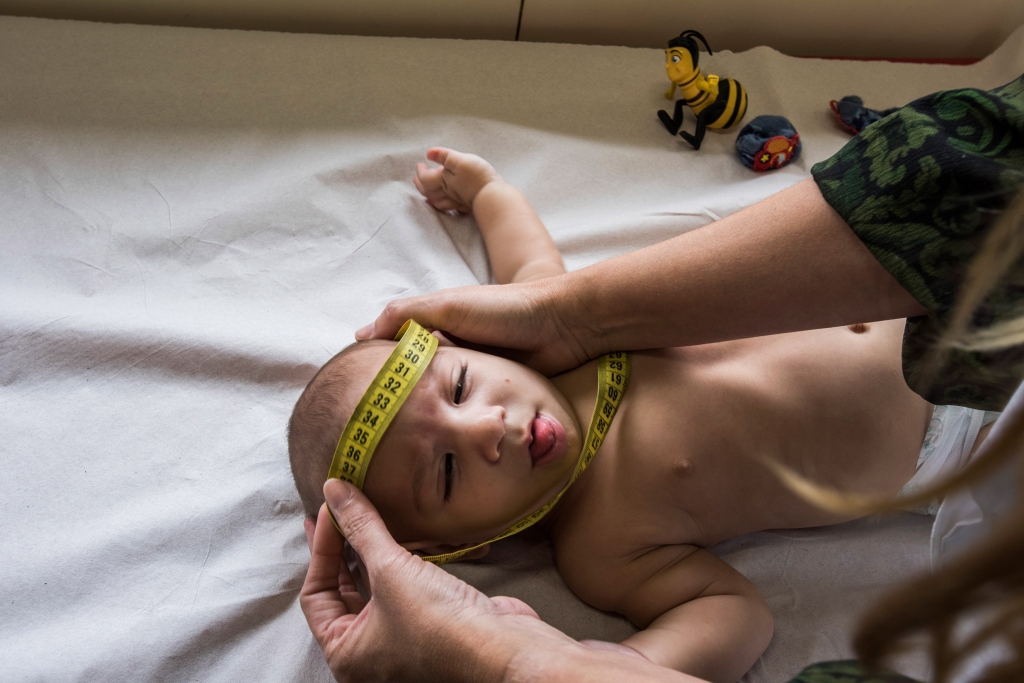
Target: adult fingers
(605, 646)
(362, 526)
(478, 314)
(325, 556)
(309, 525)
(507, 605)
(328, 583)
(488, 315)
(422, 309)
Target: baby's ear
(435, 548)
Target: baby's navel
(682, 467)
(859, 328)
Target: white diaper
(946, 450)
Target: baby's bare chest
(683, 463)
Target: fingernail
(337, 493)
(364, 332)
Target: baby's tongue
(543, 437)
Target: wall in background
(923, 29)
(864, 28)
(493, 19)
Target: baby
(482, 441)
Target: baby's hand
(456, 184)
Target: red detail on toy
(776, 152)
(835, 110)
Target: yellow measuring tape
(395, 381)
(380, 403)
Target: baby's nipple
(682, 467)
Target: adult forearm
(515, 649)
(573, 663)
(785, 264)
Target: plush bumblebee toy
(717, 102)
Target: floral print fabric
(920, 188)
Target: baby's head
(479, 442)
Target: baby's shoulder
(610, 579)
(589, 538)
(589, 568)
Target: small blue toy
(854, 116)
(768, 142)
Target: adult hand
(421, 623)
(536, 323)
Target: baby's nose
(486, 432)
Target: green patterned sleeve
(846, 671)
(920, 188)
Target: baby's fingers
(446, 203)
(438, 199)
(423, 188)
(428, 179)
(442, 155)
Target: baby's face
(480, 442)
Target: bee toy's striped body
(718, 103)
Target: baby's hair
(317, 420)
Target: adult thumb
(360, 524)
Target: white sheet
(194, 220)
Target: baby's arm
(700, 616)
(518, 245)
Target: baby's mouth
(547, 440)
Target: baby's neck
(579, 389)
